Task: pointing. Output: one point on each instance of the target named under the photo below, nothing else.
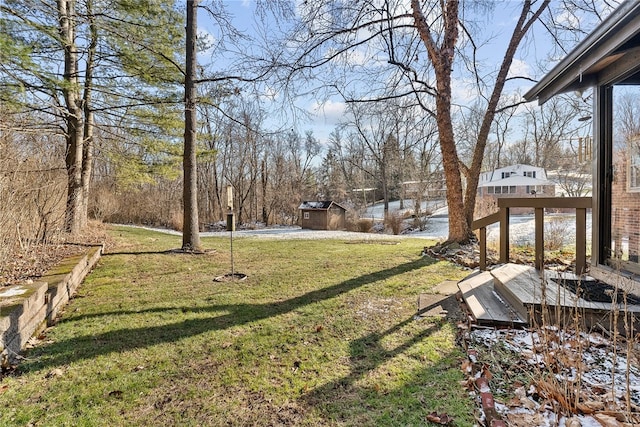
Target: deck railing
(580, 204)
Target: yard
(322, 332)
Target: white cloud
(463, 91)
(331, 111)
(325, 117)
(519, 68)
(567, 20)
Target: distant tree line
(92, 95)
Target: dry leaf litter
(551, 377)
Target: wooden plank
(513, 282)
(545, 202)
(522, 279)
(574, 301)
(521, 285)
(486, 221)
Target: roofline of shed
(619, 18)
(322, 209)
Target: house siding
(508, 179)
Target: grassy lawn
(321, 333)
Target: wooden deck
(519, 295)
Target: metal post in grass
(231, 224)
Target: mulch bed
(32, 260)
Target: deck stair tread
(484, 304)
(509, 293)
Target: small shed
(322, 215)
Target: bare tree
(375, 129)
(571, 21)
(410, 53)
(350, 159)
(546, 128)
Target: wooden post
(539, 236)
(504, 235)
(581, 240)
(483, 248)
(482, 224)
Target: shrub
(556, 233)
(394, 221)
(364, 225)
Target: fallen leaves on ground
(551, 376)
(442, 419)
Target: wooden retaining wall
(25, 310)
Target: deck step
(519, 285)
(486, 306)
(522, 286)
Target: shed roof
(318, 205)
(610, 54)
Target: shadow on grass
(425, 390)
(175, 251)
(90, 346)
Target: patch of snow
(377, 211)
(18, 290)
(588, 361)
(436, 227)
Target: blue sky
(497, 28)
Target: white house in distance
(514, 181)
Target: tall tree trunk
(190, 232)
(87, 146)
(461, 208)
(73, 117)
(442, 59)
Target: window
(306, 215)
(506, 175)
(489, 190)
(512, 189)
(498, 190)
(530, 174)
(620, 201)
(633, 181)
